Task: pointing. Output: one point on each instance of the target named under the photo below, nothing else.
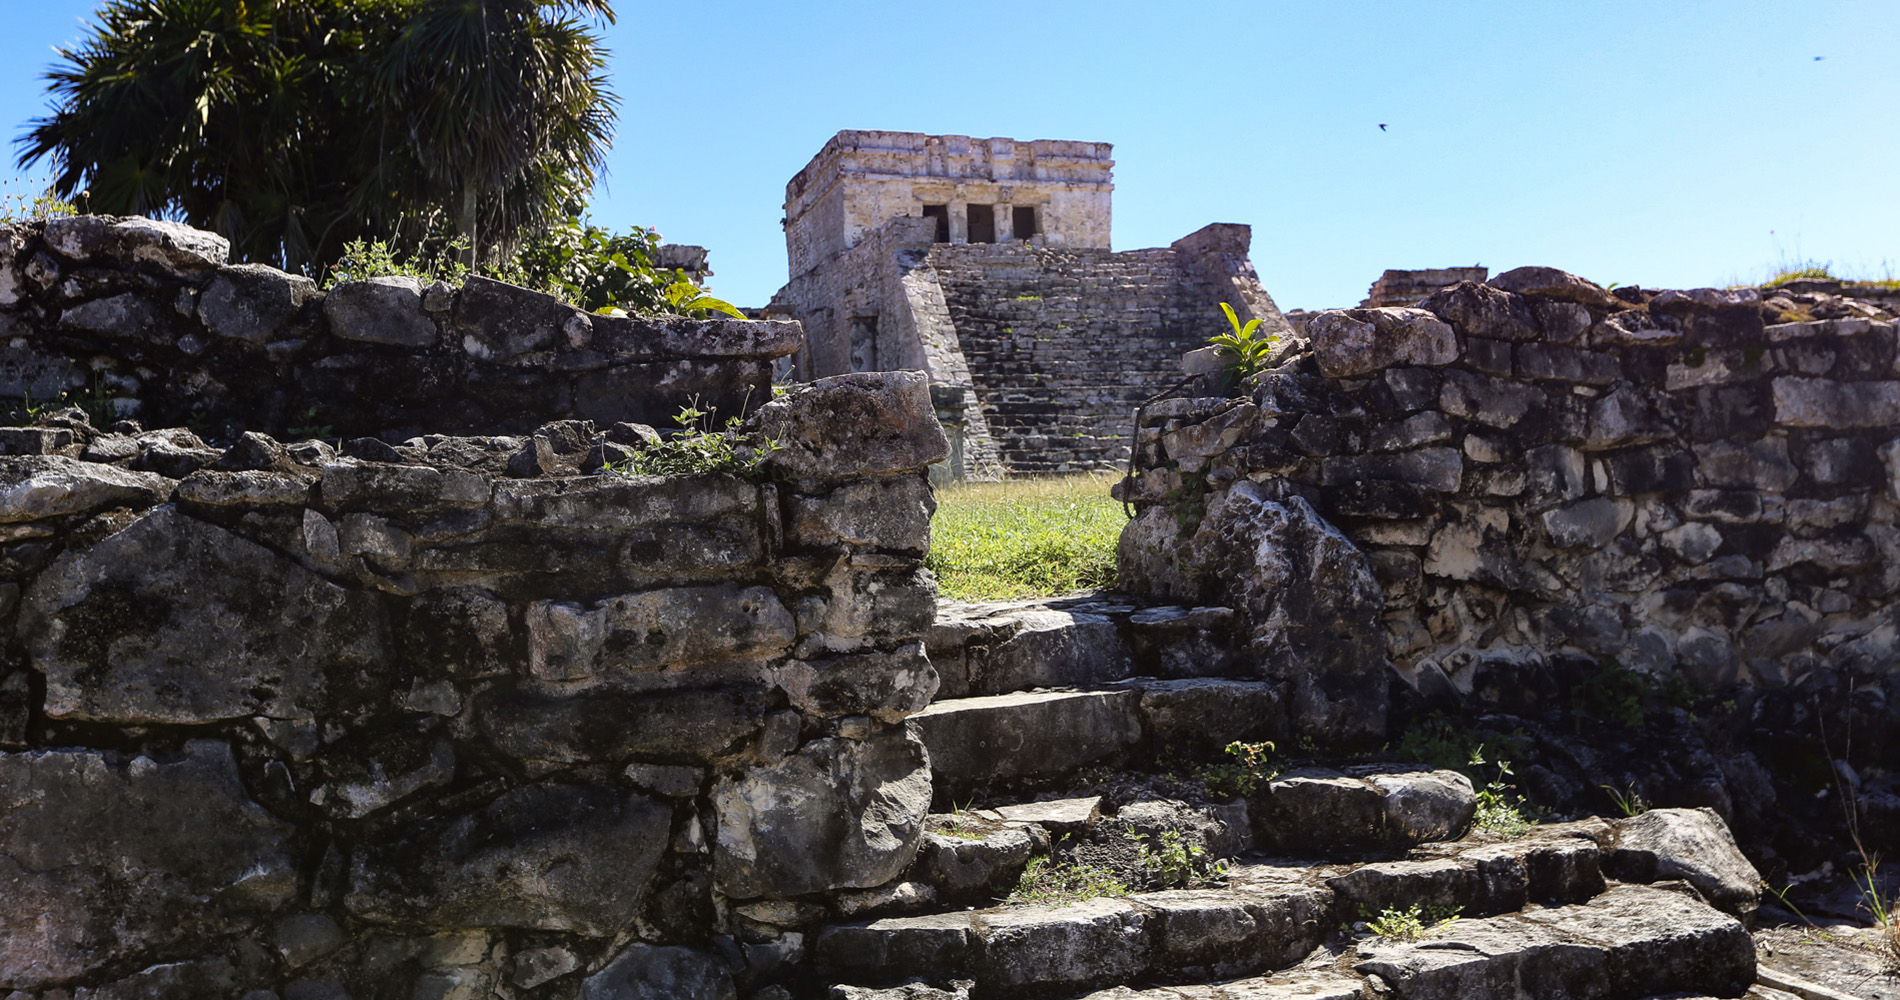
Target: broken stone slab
(1349, 342)
(836, 814)
(41, 487)
(1055, 815)
(1045, 948)
(887, 686)
(105, 858)
(1051, 648)
(382, 310)
(35, 440)
(545, 857)
(652, 630)
(1552, 283)
(888, 514)
(500, 322)
(931, 945)
(1632, 941)
(250, 302)
(893, 427)
(1200, 933)
(1484, 311)
(976, 740)
(968, 866)
(173, 620)
(958, 990)
(1818, 402)
(607, 725)
(1202, 715)
(1316, 810)
(1693, 845)
(634, 337)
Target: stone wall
(445, 717)
(1405, 288)
(1557, 487)
(148, 319)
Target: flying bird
(1819, 58)
(1381, 126)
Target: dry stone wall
(148, 319)
(1554, 485)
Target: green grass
(1052, 882)
(1025, 538)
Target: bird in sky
(1819, 58)
(1381, 126)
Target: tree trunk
(467, 226)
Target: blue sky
(1664, 144)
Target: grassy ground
(1025, 537)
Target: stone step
(994, 647)
(1036, 734)
(1268, 916)
(1632, 941)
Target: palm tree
(293, 126)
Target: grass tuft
(1046, 881)
(1025, 538)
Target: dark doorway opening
(982, 223)
(941, 213)
(1024, 219)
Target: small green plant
(365, 259)
(700, 445)
(1174, 863)
(1411, 923)
(1884, 906)
(1245, 349)
(962, 823)
(1797, 270)
(17, 205)
(1047, 881)
(688, 299)
(1250, 768)
(1629, 801)
(310, 430)
(1500, 810)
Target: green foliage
(1629, 801)
(1025, 538)
(1174, 863)
(1884, 906)
(292, 127)
(700, 445)
(1411, 923)
(1251, 767)
(17, 205)
(1245, 349)
(1614, 693)
(94, 402)
(1049, 881)
(1500, 809)
(1800, 269)
(363, 259)
(310, 430)
(688, 299)
(1440, 742)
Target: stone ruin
(985, 263)
(457, 714)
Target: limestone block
(1760, 465)
(302, 938)
(1205, 714)
(607, 725)
(1359, 341)
(40, 487)
(892, 426)
(543, 857)
(1045, 647)
(657, 972)
(173, 620)
(1491, 401)
(885, 685)
(248, 489)
(1625, 417)
(638, 337)
(1484, 311)
(962, 866)
(1092, 943)
(250, 302)
(127, 316)
(171, 246)
(836, 814)
(1428, 427)
(1815, 402)
(977, 740)
(1549, 282)
(1689, 844)
(616, 502)
(106, 858)
(656, 629)
(1566, 364)
(1849, 327)
(499, 322)
(1588, 523)
(889, 514)
(384, 310)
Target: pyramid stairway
(1041, 698)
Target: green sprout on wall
(1245, 349)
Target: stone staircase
(1044, 699)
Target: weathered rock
(836, 814)
(250, 302)
(889, 514)
(966, 866)
(1549, 282)
(1358, 341)
(546, 857)
(886, 685)
(1318, 811)
(652, 972)
(976, 740)
(654, 630)
(1814, 402)
(896, 425)
(959, 990)
(607, 725)
(171, 246)
(106, 858)
(1483, 311)
(384, 310)
(174, 620)
(1094, 943)
(1689, 844)
(1588, 523)
(500, 321)
(641, 337)
(303, 938)
(1204, 714)
(41, 487)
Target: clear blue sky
(1664, 144)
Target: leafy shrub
(1048, 881)
(1175, 863)
(1250, 768)
(1411, 923)
(700, 445)
(18, 206)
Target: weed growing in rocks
(1174, 863)
(700, 445)
(1884, 906)
(1629, 801)
(1251, 767)
(1245, 350)
(1411, 923)
(1047, 881)
(1502, 812)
